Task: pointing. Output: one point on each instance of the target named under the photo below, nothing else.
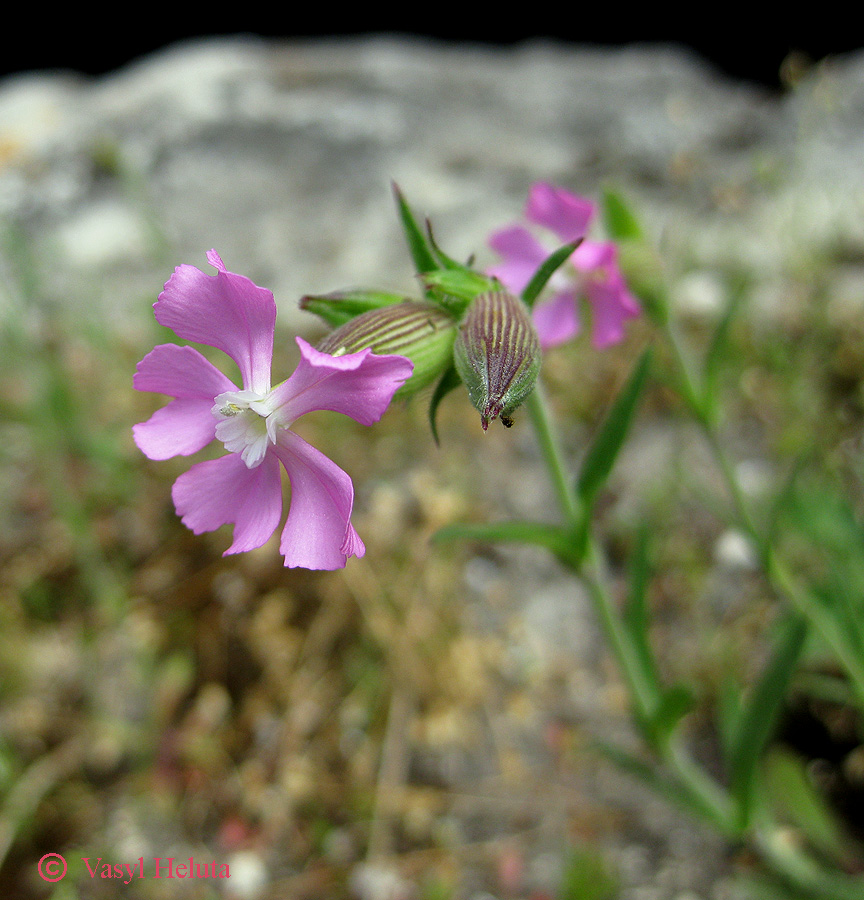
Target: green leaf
(619, 218)
(449, 380)
(758, 716)
(546, 271)
(675, 702)
(341, 306)
(607, 443)
(635, 616)
(418, 246)
(444, 261)
(800, 802)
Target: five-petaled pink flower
(231, 313)
(594, 273)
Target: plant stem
(704, 792)
(550, 447)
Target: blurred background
(420, 724)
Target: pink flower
(231, 313)
(594, 273)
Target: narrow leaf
(761, 710)
(675, 702)
(609, 440)
(636, 608)
(418, 246)
(449, 380)
(546, 271)
(792, 790)
(619, 218)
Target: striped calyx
(497, 354)
(423, 332)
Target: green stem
(550, 447)
(704, 792)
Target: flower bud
(497, 354)
(421, 331)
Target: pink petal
(221, 491)
(611, 305)
(226, 311)
(318, 533)
(360, 385)
(180, 372)
(181, 428)
(556, 319)
(591, 255)
(562, 212)
(522, 255)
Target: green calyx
(423, 332)
(497, 355)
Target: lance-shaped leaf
(420, 331)
(497, 354)
(619, 218)
(547, 269)
(604, 450)
(418, 245)
(448, 382)
(758, 717)
(341, 306)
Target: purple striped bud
(497, 354)
(423, 332)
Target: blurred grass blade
(759, 714)
(619, 218)
(609, 440)
(541, 534)
(677, 793)
(587, 876)
(717, 351)
(546, 271)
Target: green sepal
(418, 244)
(339, 307)
(610, 438)
(546, 270)
(459, 285)
(416, 329)
(448, 381)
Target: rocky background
(281, 156)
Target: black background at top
(742, 42)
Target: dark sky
(741, 49)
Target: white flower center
(242, 425)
